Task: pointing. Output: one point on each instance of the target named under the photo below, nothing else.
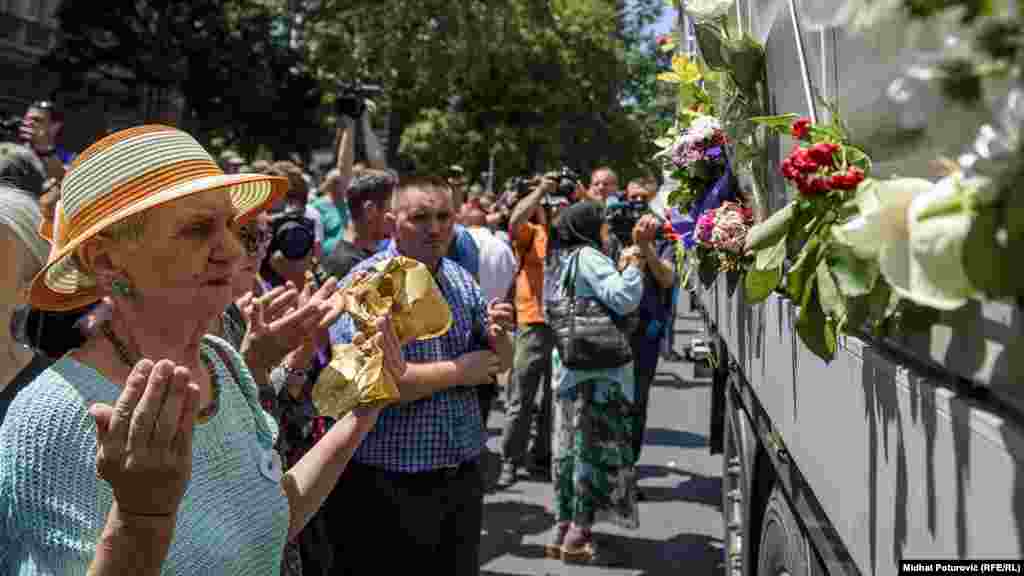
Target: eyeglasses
(255, 239)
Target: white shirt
(497, 264)
(318, 225)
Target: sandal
(578, 546)
(553, 549)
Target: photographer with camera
(41, 130)
(539, 203)
(636, 231)
(296, 232)
(353, 112)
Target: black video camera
(623, 216)
(566, 178)
(351, 99)
(292, 233)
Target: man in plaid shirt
(412, 496)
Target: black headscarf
(580, 225)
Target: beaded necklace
(130, 359)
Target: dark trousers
(485, 397)
(531, 368)
(393, 523)
(645, 365)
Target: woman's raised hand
(316, 330)
(144, 441)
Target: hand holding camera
(562, 183)
(352, 100)
(646, 230)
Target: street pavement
(681, 520)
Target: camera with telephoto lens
(292, 233)
(567, 181)
(623, 216)
(351, 98)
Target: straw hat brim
(61, 286)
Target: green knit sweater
(233, 519)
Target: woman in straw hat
(97, 452)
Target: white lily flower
(882, 221)
(707, 9)
(930, 269)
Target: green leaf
(780, 121)
(800, 228)
(1014, 213)
(854, 276)
(914, 318)
(707, 270)
(670, 77)
(990, 266)
(772, 230)
(816, 331)
(803, 269)
(832, 301)
(663, 142)
(771, 257)
(877, 303)
(732, 281)
(857, 312)
(748, 65)
(712, 46)
(759, 284)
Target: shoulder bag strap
(574, 264)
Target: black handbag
(588, 335)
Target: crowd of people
(170, 316)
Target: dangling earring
(121, 287)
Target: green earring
(122, 288)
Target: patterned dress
(592, 472)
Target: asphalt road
(681, 523)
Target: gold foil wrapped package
(356, 376)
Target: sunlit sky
(664, 24)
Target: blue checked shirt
(444, 429)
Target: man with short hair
(415, 483)
(41, 130)
(369, 201)
(603, 183)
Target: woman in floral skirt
(593, 475)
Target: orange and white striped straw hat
(123, 174)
